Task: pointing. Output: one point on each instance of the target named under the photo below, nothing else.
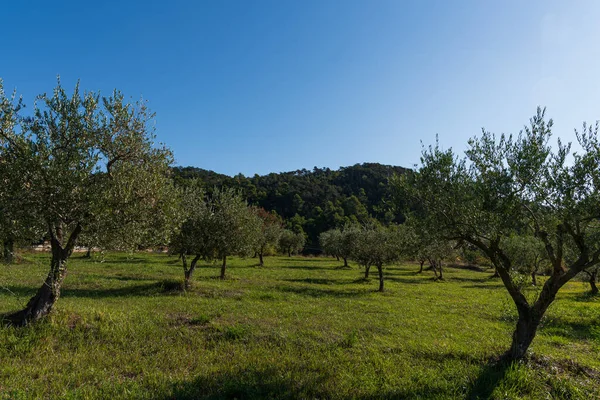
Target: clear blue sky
(268, 86)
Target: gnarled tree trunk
(260, 259)
(523, 335)
(42, 303)
(367, 268)
(421, 262)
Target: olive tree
(592, 277)
(340, 242)
(426, 246)
(331, 242)
(290, 242)
(516, 184)
(193, 237)
(378, 246)
(233, 228)
(87, 162)
(270, 232)
(528, 255)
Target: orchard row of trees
(222, 225)
(84, 168)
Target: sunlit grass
(296, 328)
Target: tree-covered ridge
(313, 200)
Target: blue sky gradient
(268, 86)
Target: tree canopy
(506, 185)
(86, 163)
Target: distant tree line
(312, 201)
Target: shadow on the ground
(488, 378)
(320, 281)
(306, 267)
(586, 296)
(272, 383)
(322, 292)
(484, 286)
(149, 289)
(574, 330)
(419, 280)
(250, 384)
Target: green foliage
(378, 246)
(290, 242)
(340, 242)
(83, 163)
(515, 185)
(317, 200)
(217, 226)
(270, 231)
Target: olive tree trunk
(345, 261)
(421, 262)
(42, 303)
(367, 268)
(594, 288)
(9, 251)
(525, 331)
(529, 315)
(380, 270)
(260, 259)
(223, 266)
(188, 272)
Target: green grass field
(296, 328)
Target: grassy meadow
(296, 328)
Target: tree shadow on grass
(573, 330)
(586, 297)
(306, 267)
(484, 286)
(166, 287)
(409, 280)
(272, 383)
(269, 383)
(489, 377)
(319, 281)
(320, 292)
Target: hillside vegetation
(298, 327)
(313, 200)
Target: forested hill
(314, 200)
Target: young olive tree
(81, 163)
(426, 246)
(331, 242)
(340, 242)
(528, 255)
(516, 184)
(378, 246)
(592, 276)
(193, 237)
(290, 242)
(234, 229)
(270, 232)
